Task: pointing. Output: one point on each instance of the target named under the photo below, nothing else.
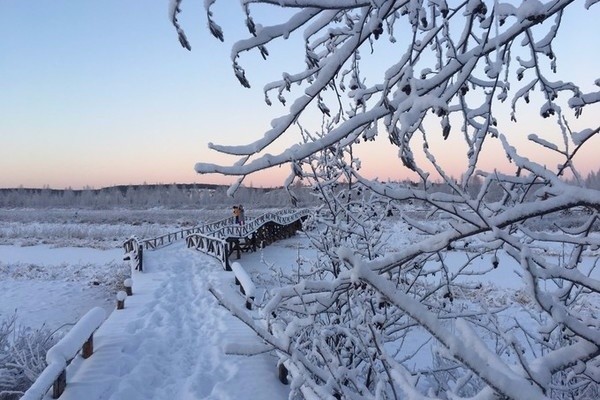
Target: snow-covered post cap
(121, 296)
(246, 285)
(128, 283)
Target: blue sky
(100, 93)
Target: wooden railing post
(88, 347)
(282, 374)
(249, 302)
(128, 283)
(247, 287)
(59, 384)
(140, 257)
(226, 257)
(121, 296)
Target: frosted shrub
(445, 374)
(22, 356)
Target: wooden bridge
(222, 238)
(219, 239)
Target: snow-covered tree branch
(457, 72)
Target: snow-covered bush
(22, 356)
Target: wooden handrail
(283, 217)
(247, 287)
(206, 236)
(78, 339)
(218, 243)
(211, 245)
(134, 252)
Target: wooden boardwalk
(160, 283)
(221, 238)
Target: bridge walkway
(170, 341)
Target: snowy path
(168, 342)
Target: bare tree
(460, 72)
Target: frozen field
(55, 265)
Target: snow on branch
(457, 73)
(174, 10)
(402, 99)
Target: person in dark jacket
(242, 217)
(236, 214)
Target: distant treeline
(197, 195)
(176, 195)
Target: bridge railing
(211, 245)
(167, 238)
(78, 340)
(283, 217)
(134, 247)
(222, 229)
(243, 280)
(214, 226)
(220, 243)
(134, 252)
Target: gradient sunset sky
(100, 93)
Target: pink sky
(171, 161)
(92, 96)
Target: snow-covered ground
(173, 340)
(56, 286)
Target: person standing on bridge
(242, 217)
(236, 214)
